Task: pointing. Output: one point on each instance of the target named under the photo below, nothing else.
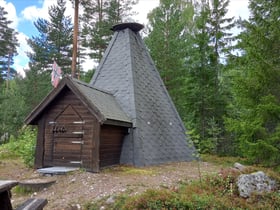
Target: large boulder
(257, 182)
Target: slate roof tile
(127, 71)
(103, 100)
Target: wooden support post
(75, 39)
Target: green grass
(21, 147)
(222, 161)
(130, 170)
(19, 190)
(217, 191)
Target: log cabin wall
(39, 151)
(111, 140)
(71, 134)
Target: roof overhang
(67, 82)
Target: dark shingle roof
(128, 71)
(104, 101)
(98, 101)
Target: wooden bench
(5, 194)
(33, 204)
(5, 198)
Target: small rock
(239, 166)
(110, 200)
(257, 182)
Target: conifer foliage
(98, 17)
(8, 46)
(54, 41)
(229, 100)
(255, 118)
(188, 42)
(9, 97)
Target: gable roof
(100, 103)
(128, 71)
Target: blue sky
(25, 25)
(24, 13)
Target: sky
(24, 13)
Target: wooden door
(68, 133)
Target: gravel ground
(73, 190)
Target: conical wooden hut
(125, 115)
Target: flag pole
(75, 40)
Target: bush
(156, 199)
(23, 146)
(218, 191)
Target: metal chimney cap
(136, 27)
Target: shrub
(156, 199)
(213, 192)
(23, 146)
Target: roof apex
(136, 27)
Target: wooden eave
(32, 118)
(118, 123)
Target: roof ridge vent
(136, 27)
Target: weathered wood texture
(39, 152)
(5, 193)
(33, 204)
(71, 134)
(111, 140)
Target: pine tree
(8, 45)
(255, 119)
(99, 16)
(167, 43)
(54, 40)
(200, 81)
(204, 93)
(12, 108)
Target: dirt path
(73, 190)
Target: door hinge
(79, 122)
(76, 162)
(77, 142)
(78, 132)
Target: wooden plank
(105, 163)
(110, 150)
(67, 148)
(60, 112)
(39, 151)
(111, 141)
(5, 200)
(66, 157)
(6, 185)
(94, 154)
(33, 204)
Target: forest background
(226, 88)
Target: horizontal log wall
(62, 109)
(111, 140)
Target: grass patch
(129, 170)
(22, 191)
(212, 193)
(21, 147)
(6, 153)
(225, 161)
(218, 191)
